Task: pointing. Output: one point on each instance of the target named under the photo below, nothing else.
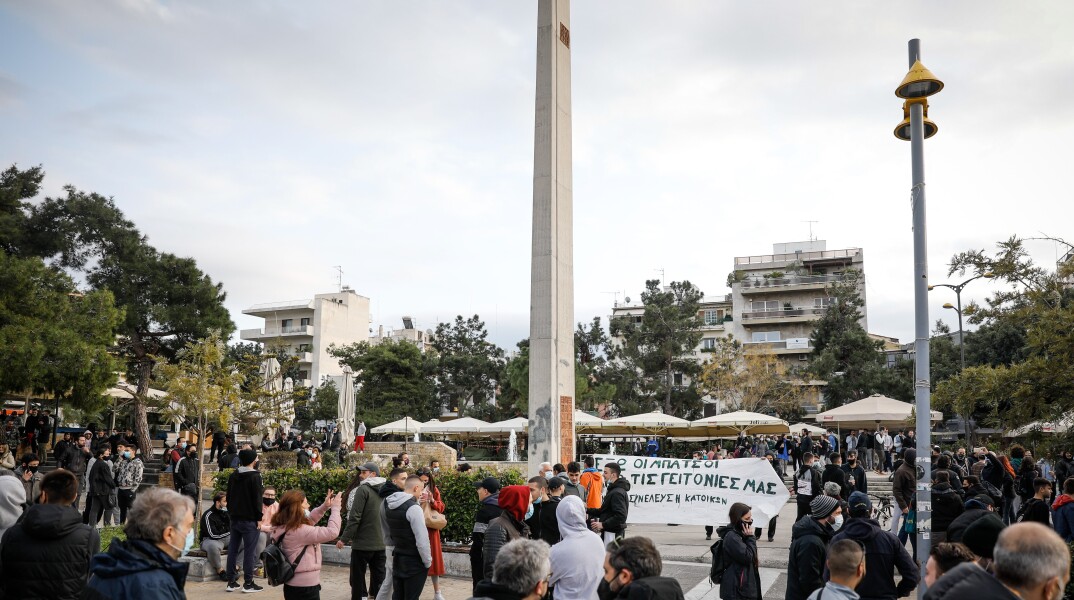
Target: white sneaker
(438, 596)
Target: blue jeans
(246, 535)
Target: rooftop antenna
(339, 277)
(812, 237)
(661, 270)
(616, 297)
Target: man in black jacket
(1064, 468)
(883, 554)
(611, 517)
(244, 490)
(973, 509)
(488, 508)
(47, 553)
(102, 483)
(833, 471)
(215, 533)
(809, 543)
(75, 459)
(632, 569)
(549, 521)
(538, 496)
(807, 485)
(185, 476)
(946, 506)
(855, 473)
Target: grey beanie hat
(822, 506)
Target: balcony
(269, 309)
(791, 315)
(254, 335)
(820, 255)
(788, 284)
(305, 357)
(792, 346)
(719, 326)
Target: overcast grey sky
(273, 140)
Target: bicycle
(883, 507)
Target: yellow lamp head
(902, 130)
(948, 305)
(918, 83)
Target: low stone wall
(498, 465)
(420, 452)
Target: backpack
(279, 570)
(993, 491)
(719, 562)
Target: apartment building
(409, 333)
(777, 297)
(308, 327)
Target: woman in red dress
(432, 497)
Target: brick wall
(420, 452)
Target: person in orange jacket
(593, 481)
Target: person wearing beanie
(516, 502)
(883, 553)
(244, 490)
(975, 508)
(809, 542)
(981, 536)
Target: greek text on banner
(698, 492)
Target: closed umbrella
(345, 419)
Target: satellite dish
(627, 299)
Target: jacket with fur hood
(883, 555)
(578, 559)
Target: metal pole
(962, 357)
(921, 331)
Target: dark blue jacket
(134, 569)
(883, 555)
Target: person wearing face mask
(741, 580)
(302, 540)
(515, 500)
(146, 565)
(632, 570)
(246, 508)
(49, 548)
(809, 541)
(30, 478)
(1031, 562)
(883, 554)
(214, 531)
(521, 569)
(185, 477)
(855, 473)
(538, 495)
(102, 482)
(129, 473)
(611, 518)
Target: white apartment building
(308, 327)
(409, 333)
(778, 296)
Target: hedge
(456, 490)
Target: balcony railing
(790, 281)
(783, 314)
(807, 345)
(796, 256)
(250, 334)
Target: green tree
(167, 301)
(392, 379)
(756, 381)
(1037, 384)
(323, 405)
(513, 399)
(944, 358)
(55, 339)
(467, 366)
(16, 187)
(661, 346)
(845, 356)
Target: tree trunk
(667, 395)
(141, 418)
(197, 482)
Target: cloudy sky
(272, 141)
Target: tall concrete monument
(551, 393)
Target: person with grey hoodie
(12, 500)
(578, 558)
(412, 555)
(846, 563)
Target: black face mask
(605, 591)
(268, 501)
(32, 469)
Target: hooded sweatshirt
(809, 546)
(50, 549)
(1063, 517)
(514, 500)
(613, 513)
(12, 498)
(578, 559)
(363, 530)
(883, 555)
(415, 518)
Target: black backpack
(719, 562)
(279, 570)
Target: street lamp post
(915, 88)
(961, 336)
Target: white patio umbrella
(585, 423)
(517, 424)
(812, 429)
(404, 426)
(743, 421)
(345, 418)
(464, 427)
(646, 423)
(871, 411)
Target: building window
(765, 336)
(303, 375)
(635, 320)
(286, 323)
(305, 321)
(676, 378)
(764, 305)
(708, 343)
(823, 302)
(714, 316)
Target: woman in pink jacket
(295, 519)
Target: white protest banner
(698, 492)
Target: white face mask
(838, 522)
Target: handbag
(434, 519)
(908, 524)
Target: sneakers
(251, 588)
(233, 586)
(222, 575)
(437, 595)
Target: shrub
(460, 499)
(315, 483)
(113, 532)
(281, 459)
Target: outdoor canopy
(465, 425)
(868, 412)
(647, 423)
(404, 426)
(517, 424)
(812, 429)
(739, 421)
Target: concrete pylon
(551, 392)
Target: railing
(793, 280)
(303, 303)
(796, 256)
(780, 345)
(259, 333)
(780, 314)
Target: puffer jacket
(946, 506)
(134, 569)
(883, 555)
(50, 550)
(652, 588)
(968, 582)
(514, 499)
(809, 546)
(741, 580)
